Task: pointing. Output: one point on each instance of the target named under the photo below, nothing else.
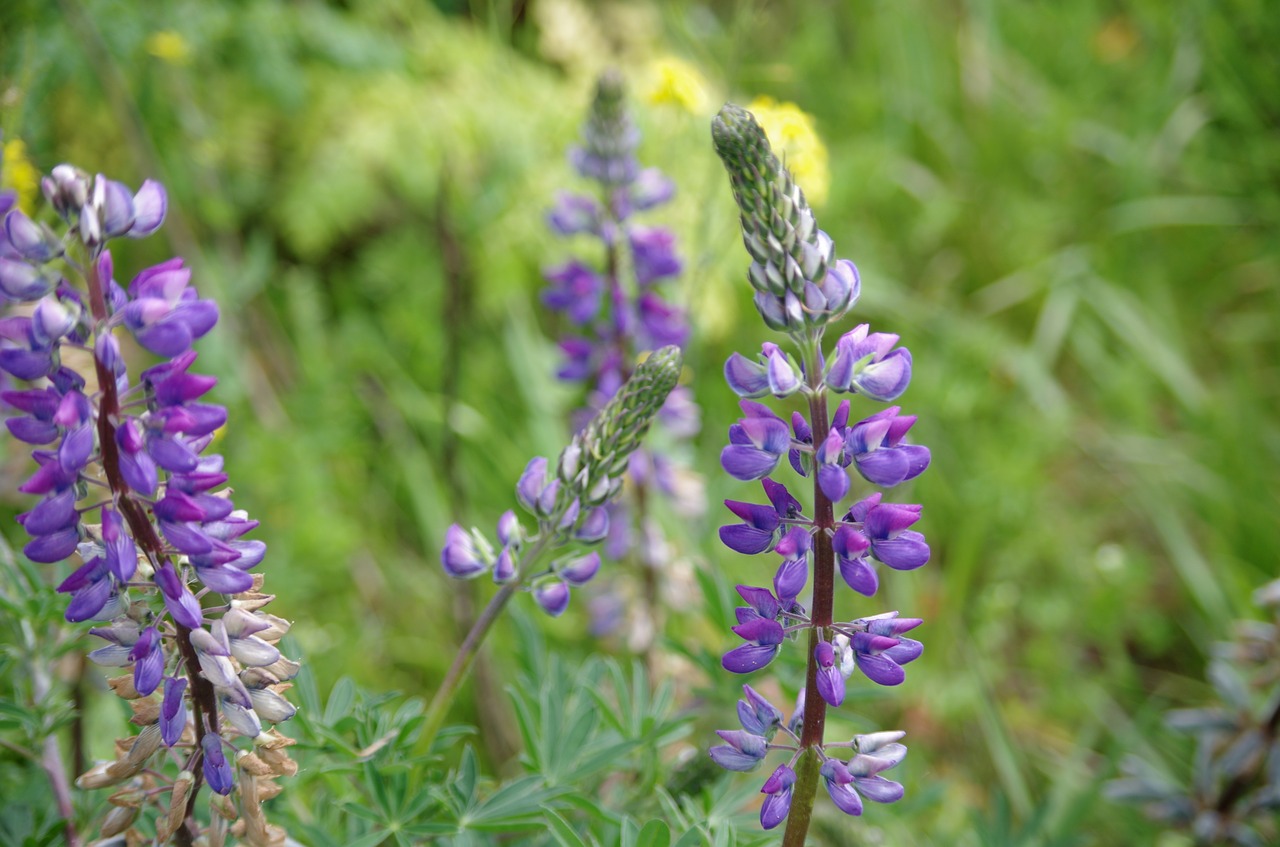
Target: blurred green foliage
(1068, 211)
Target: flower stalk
(130, 448)
(569, 507)
(800, 289)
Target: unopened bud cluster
(568, 502)
(130, 494)
(799, 284)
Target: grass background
(1068, 211)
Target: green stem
(470, 648)
(815, 708)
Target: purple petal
(216, 770)
(791, 577)
(880, 670)
(834, 481)
(859, 575)
(55, 547)
(878, 789)
(579, 571)
(906, 552)
(778, 802)
(749, 657)
(553, 597)
(746, 539)
(224, 579)
(745, 377)
(52, 514)
(887, 379)
(173, 710)
(149, 206)
(748, 463)
(89, 600)
(884, 467)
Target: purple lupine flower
(217, 772)
(756, 443)
(801, 288)
(148, 661)
(777, 801)
(878, 452)
(757, 715)
(615, 306)
(830, 680)
(742, 750)
(164, 523)
(173, 710)
(764, 641)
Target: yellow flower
(169, 46)
(796, 142)
(19, 174)
(677, 82)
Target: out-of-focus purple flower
(575, 290)
(460, 556)
(552, 596)
(574, 213)
(653, 251)
(579, 571)
(777, 802)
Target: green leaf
(341, 699)
(560, 829)
(654, 834)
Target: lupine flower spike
(616, 310)
(130, 494)
(568, 506)
(801, 288)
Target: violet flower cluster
(614, 305)
(568, 504)
(569, 507)
(800, 288)
(130, 493)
